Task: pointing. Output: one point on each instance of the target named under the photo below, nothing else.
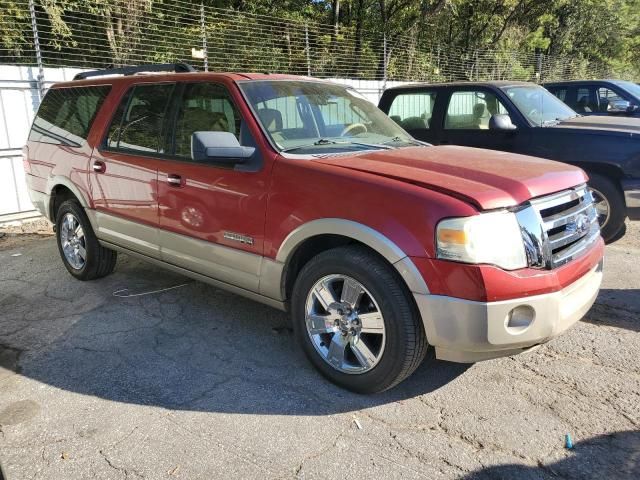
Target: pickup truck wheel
(609, 205)
(81, 253)
(356, 320)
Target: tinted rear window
(66, 114)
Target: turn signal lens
(447, 235)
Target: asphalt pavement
(193, 382)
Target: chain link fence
(142, 31)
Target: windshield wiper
(550, 123)
(320, 141)
(327, 141)
(399, 139)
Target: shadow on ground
(589, 459)
(616, 308)
(192, 348)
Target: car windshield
(305, 117)
(539, 106)
(632, 88)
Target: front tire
(81, 253)
(356, 320)
(609, 205)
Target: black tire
(617, 210)
(100, 261)
(406, 344)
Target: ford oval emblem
(579, 225)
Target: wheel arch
(316, 236)
(61, 189)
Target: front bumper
(631, 189)
(469, 331)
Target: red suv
(301, 194)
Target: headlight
(492, 238)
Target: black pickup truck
(525, 118)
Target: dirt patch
(16, 234)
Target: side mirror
(619, 106)
(501, 122)
(219, 147)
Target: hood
(487, 179)
(595, 122)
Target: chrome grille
(558, 228)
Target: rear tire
(610, 197)
(81, 253)
(398, 344)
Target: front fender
(272, 286)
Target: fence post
(306, 47)
(36, 44)
(203, 30)
(539, 67)
(384, 59)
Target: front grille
(569, 227)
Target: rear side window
(559, 92)
(139, 122)
(66, 115)
(413, 111)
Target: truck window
(413, 111)
(472, 110)
(65, 115)
(205, 107)
(138, 124)
(560, 92)
(604, 96)
(585, 100)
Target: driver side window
(205, 107)
(472, 110)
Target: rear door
(414, 111)
(124, 170)
(466, 120)
(212, 216)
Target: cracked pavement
(195, 383)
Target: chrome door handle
(98, 166)
(175, 180)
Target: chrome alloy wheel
(73, 241)
(602, 207)
(345, 324)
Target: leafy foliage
(423, 39)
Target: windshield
(539, 106)
(632, 88)
(305, 117)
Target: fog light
(519, 319)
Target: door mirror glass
(619, 106)
(218, 147)
(501, 122)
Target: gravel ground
(194, 383)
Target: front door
(124, 170)
(212, 216)
(466, 121)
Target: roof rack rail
(154, 67)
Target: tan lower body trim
(197, 276)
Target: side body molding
(271, 283)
